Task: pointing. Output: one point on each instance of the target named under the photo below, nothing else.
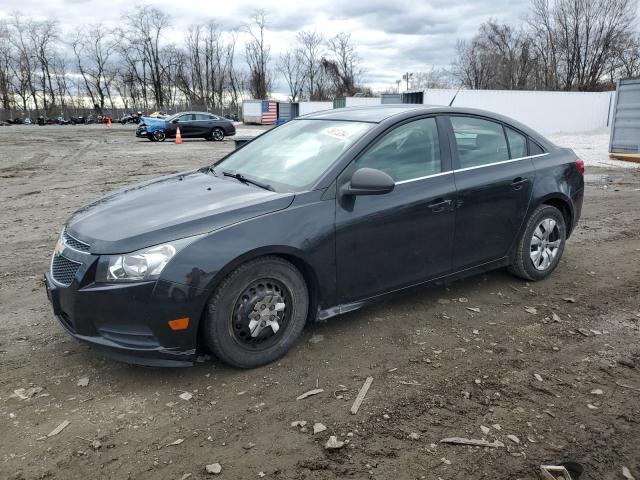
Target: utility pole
(406, 77)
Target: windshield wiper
(242, 178)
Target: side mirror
(369, 181)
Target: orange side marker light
(179, 323)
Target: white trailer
(252, 111)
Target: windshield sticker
(339, 133)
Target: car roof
(374, 114)
(382, 113)
(204, 113)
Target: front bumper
(129, 321)
(141, 132)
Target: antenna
(454, 97)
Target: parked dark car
(192, 125)
(312, 219)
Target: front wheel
(257, 313)
(159, 136)
(541, 245)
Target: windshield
(172, 117)
(295, 154)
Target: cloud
(392, 37)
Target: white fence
(310, 107)
(362, 101)
(546, 112)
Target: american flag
(269, 112)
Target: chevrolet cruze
(312, 219)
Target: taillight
(580, 166)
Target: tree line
(583, 45)
(560, 45)
(46, 69)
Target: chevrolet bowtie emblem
(59, 247)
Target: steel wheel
(545, 243)
(260, 315)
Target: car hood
(169, 208)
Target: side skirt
(324, 314)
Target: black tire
(522, 264)
(226, 330)
(159, 136)
(216, 134)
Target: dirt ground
(563, 376)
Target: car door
(403, 237)
(494, 177)
(187, 125)
(203, 124)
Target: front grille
(63, 270)
(74, 243)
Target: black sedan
(191, 124)
(312, 219)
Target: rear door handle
(439, 205)
(518, 183)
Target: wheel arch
(292, 255)
(562, 203)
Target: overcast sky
(392, 36)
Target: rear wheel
(257, 313)
(216, 134)
(541, 245)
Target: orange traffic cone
(178, 136)
(108, 122)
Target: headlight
(146, 264)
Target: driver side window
(408, 152)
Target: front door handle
(439, 205)
(518, 183)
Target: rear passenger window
(517, 143)
(410, 151)
(479, 141)
(534, 148)
(202, 116)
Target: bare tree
(343, 65)
(432, 77)
(146, 27)
(6, 72)
(577, 38)
(499, 56)
(94, 47)
(626, 62)
(257, 53)
(290, 65)
(311, 48)
(471, 65)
